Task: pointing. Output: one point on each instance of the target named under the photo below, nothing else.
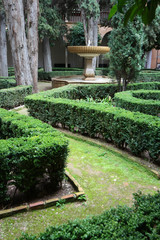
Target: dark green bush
(145, 101)
(140, 222)
(13, 97)
(28, 150)
(7, 82)
(149, 76)
(58, 72)
(139, 132)
(11, 71)
(49, 75)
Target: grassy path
(108, 178)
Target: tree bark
(95, 40)
(16, 29)
(3, 47)
(47, 55)
(84, 26)
(124, 84)
(32, 37)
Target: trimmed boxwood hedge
(13, 97)
(11, 71)
(145, 101)
(139, 222)
(140, 132)
(58, 72)
(28, 150)
(149, 76)
(7, 82)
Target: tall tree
(126, 49)
(51, 27)
(3, 43)
(23, 36)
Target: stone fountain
(88, 52)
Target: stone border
(48, 203)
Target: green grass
(108, 178)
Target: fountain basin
(79, 79)
(88, 52)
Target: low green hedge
(145, 101)
(149, 76)
(28, 150)
(11, 71)
(7, 82)
(13, 97)
(58, 72)
(139, 222)
(82, 91)
(140, 132)
(49, 75)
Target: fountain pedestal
(88, 52)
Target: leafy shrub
(11, 71)
(7, 82)
(58, 72)
(149, 76)
(145, 101)
(13, 97)
(42, 75)
(139, 132)
(141, 221)
(28, 150)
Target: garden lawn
(108, 179)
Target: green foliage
(13, 97)
(126, 48)
(42, 75)
(82, 198)
(28, 150)
(51, 24)
(90, 7)
(152, 33)
(60, 203)
(11, 71)
(139, 132)
(149, 76)
(7, 82)
(75, 36)
(141, 221)
(145, 101)
(144, 8)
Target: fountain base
(77, 79)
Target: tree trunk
(124, 84)
(32, 35)
(95, 40)
(119, 84)
(16, 29)
(3, 47)
(84, 26)
(47, 55)
(90, 26)
(66, 57)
